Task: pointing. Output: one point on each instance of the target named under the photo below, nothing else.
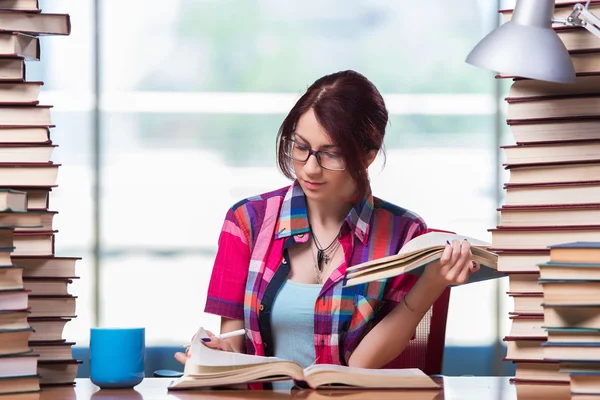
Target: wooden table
(454, 388)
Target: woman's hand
(454, 267)
(212, 341)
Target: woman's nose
(312, 165)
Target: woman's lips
(313, 185)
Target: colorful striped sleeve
(398, 286)
(227, 285)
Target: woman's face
(320, 184)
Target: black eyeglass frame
(311, 152)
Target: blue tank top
(292, 325)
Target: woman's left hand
(454, 267)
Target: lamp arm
(590, 22)
(582, 17)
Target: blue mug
(117, 357)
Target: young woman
(280, 267)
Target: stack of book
(26, 167)
(553, 193)
(18, 365)
(571, 284)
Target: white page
(437, 239)
(204, 355)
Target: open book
(417, 253)
(206, 367)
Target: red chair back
(426, 350)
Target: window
(193, 93)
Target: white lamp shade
(525, 47)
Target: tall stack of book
(571, 282)
(26, 167)
(553, 193)
(18, 365)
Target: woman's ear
(370, 157)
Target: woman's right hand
(212, 341)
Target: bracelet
(406, 304)
(409, 307)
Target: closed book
(570, 292)
(552, 194)
(11, 277)
(582, 251)
(524, 349)
(47, 286)
(553, 107)
(7, 240)
(47, 266)
(46, 221)
(538, 371)
(514, 261)
(12, 70)
(549, 153)
(527, 326)
(25, 115)
(554, 173)
(47, 328)
(553, 270)
(33, 243)
(58, 372)
(555, 130)
(524, 283)
(13, 387)
(52, 306)
(572, 316)
(12, 300)
(25, 134)
(577, 39)
(14, 320)
(584, 63)
(28, 219)
(550, 215)
(52, 350)
(13, 44)
(35, 23)
(540, 237)
(14, 341)
(532, 88)
(13, 200)
(20, 93)
(18, 365)
(542, 390)
(585, 383)
(572, 351)
(37, 197)
(20, 5)
(573, 335)
(527, 303)
(28, 174)
(26, 152)
(579, 366)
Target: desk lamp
(528, 47)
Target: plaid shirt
(254, 235)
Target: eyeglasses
(301, 152)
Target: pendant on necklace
(320, 257)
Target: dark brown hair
(353, 113)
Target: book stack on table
(553, 194)
(36, 303)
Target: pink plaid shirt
(254, 235)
